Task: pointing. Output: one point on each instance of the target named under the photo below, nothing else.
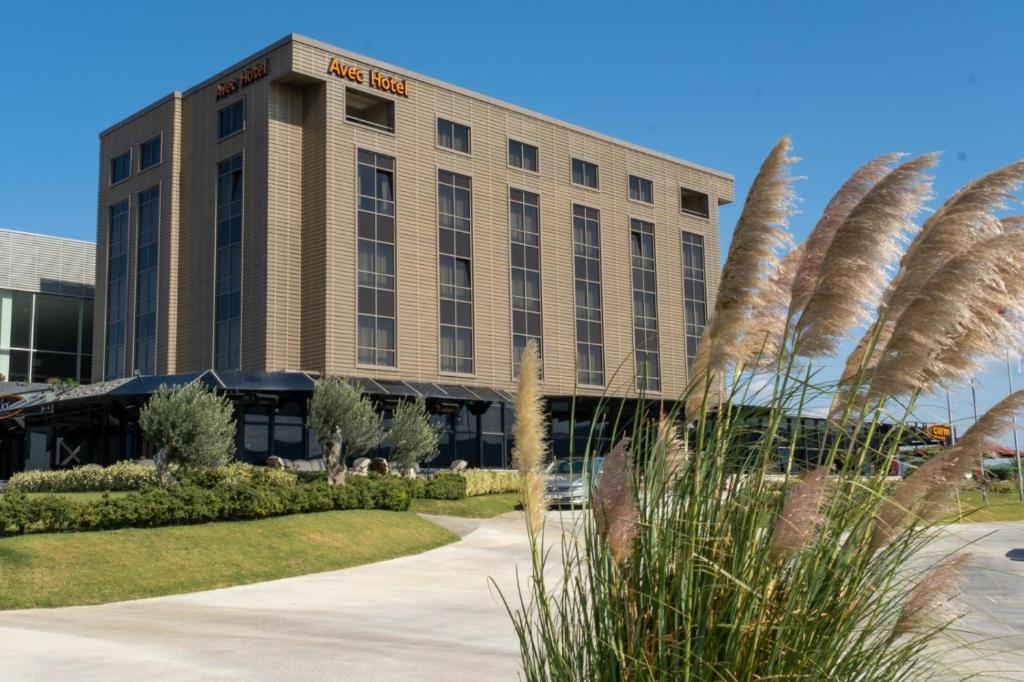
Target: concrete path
(432, 616)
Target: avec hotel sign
(249, 75)
(376, 79)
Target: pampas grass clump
(698, 563)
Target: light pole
(1013, 420)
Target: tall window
(587, 271)
(453, 135)
(641, 189)
(149, 153)
(526, 315)
(117, 289)
(455, 260)
(694, 294)
(376, 342)
(645, 306)
(231, 119)
(228, 314)
(522, 155)
(120, 167)
(584, 173)
(145, 281)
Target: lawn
(481, 506)
(64, 569)
(1001, 506)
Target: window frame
(601, 293)
(216, 253)
(159, 139)
(657, 352)
(240, 129)
(688, 358)
(370, 125)
(156, 269)
(540, 282)
(114, 160)
(451, 121)
(597, 173)
(695, 214)
(629, 189)
(508, 155)
(438, 169)
(394, 244)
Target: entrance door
(38, 449)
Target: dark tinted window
(641, 189)
(369, 110)
(587, 274)
(231, 118)
(453, 135)
(454, 225)
(694, 293)
(228, 303)
(522, 155)
(57, 323)
(584, 173)
(524, 216)
(146, 281)
(117, 289)
(149, 153)
(645, 306)
(120, 167)
(376, 259)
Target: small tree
(190, 425)
(413, 436)
(339, 412)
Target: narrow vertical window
(149, 153)
(121, 167)
(231, 119)
(586, 239)
(645, 306)
(376, 336)
(455, 274)
(524, 222)
(117, 289)
(145, 281)
(228, 313)
(694, 294)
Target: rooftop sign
(248, 76)
(375, 79)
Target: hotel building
(312, 210)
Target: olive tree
(412, 435)
(340, 413)
(190, 425)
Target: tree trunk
(335, 465)
(163, 466)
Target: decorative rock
(459, 465)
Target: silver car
(570, 480)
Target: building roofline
(48, 236)
(312, 42)
(141, 112)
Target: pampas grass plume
(801, 516)
(615, 512)
(530, 432)
(928, 605)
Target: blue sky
(713, 82)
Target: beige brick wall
(164, 119)
(299, 254)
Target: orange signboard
(939, 431)
(375, 79)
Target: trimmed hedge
(487, 482)
(90, 478)
(191, 504)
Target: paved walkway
(432, 616)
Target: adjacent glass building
(46, 304)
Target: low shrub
(236, 472)
(126, 475)
(191, 504)
(489, 482)
(445, 486)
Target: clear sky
(713, 82)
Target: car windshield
(571, 466)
